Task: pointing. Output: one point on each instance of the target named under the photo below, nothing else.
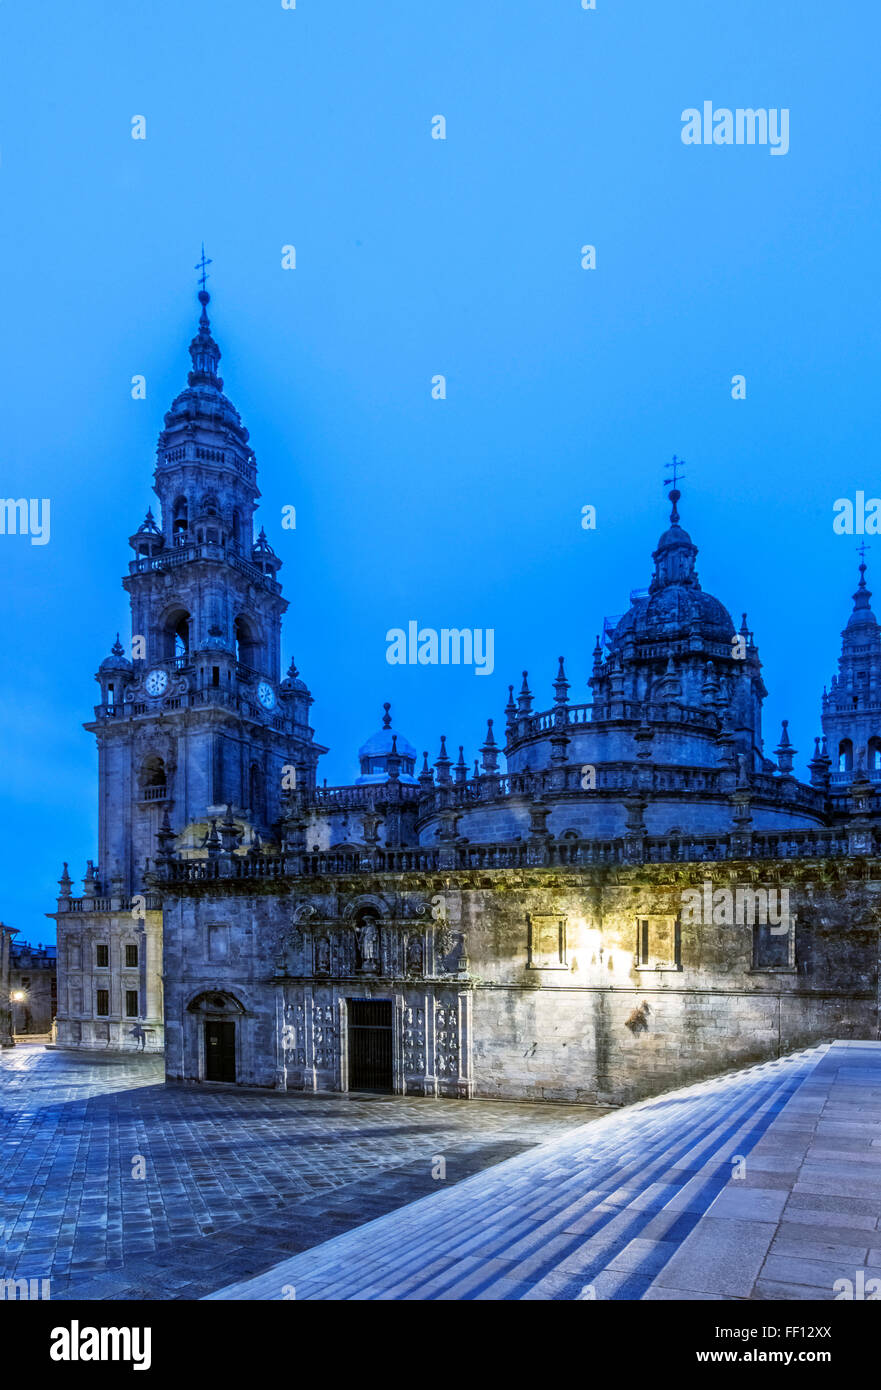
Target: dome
(117, 660)
(675, 601)
(374, 754)
(292, 683)
(202, 399)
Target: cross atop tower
(677, 466)
(861, 551)
(675, 494)
(201, 265)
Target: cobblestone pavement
(235, 1181)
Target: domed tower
(675, 660)
(374, 755)
(851, 717)
(199, 717)
(671, 745)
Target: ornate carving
(413, 1038)
(446, 1023)
(324, 1035)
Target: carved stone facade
(584, 986)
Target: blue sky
(415, 256)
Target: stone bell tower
(194, 719)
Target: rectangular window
(218, 942)
(773, 948)
(657, 943)
(131, 955)
(215, 675)
(103, 1008)
(131, 1003)
(102, 956)
(547, 942)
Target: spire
(862, 615)
(426, 776)
(784, 750)
(524, 699)
(443, 762)
(561, 686)
(65, 882)
(461, 767)
(490, 750)
(510, 708)
(203, 350)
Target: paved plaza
(234, 1181)
(762, 1184)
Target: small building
(6, 935)
(33, 988)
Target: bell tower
(194, 717)
(851, 712)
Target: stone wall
(593, 985)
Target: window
(218, 942)
(845, 755)
(875, 754)
(774, 946)
(102, 956)
(547, 942)
(103, 1008)
(657, 943)
(131, 955)
(131, 1003)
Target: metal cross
(677, 466)
(201, 266)
(861, 551)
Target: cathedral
(516, 928)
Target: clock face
(266, 695)
(156, 682)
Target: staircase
(596, 1213)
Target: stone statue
(414, 955)
(367, 939)
(322, 956)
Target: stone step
(596, 1212)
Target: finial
(675, 494)
(386, 718)
(861, 551)
(561, 686)
(443, 762)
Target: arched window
(154, 785)
(875, 754)
(845, 755)
(180, 520)
(176, 636)
(247, 643)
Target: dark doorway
(220, 1051)
(370, 1045)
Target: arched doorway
(218, 1013)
